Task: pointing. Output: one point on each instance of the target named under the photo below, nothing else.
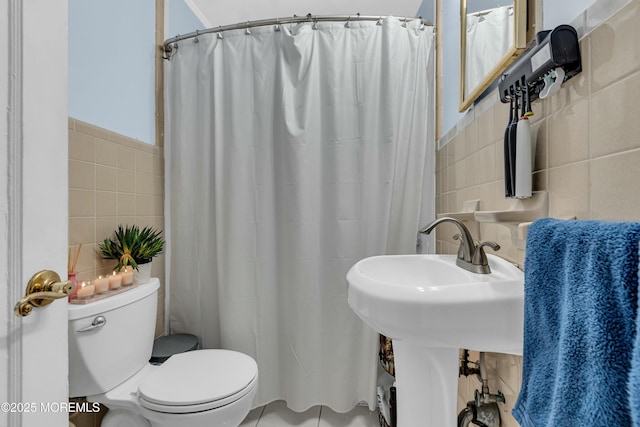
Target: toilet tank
(106, 356)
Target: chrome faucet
(471, 256)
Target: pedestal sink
(431, 308)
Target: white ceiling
(214, 13)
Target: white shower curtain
(291, 155)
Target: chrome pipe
(466, 416)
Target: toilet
(110, 344)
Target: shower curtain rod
(168, 44)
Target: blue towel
(581, 302)
(634, 377)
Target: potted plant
(133, 246)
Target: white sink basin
(431, 308)
(430, 300)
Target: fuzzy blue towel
(634, 378)
(581, 302)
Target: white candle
(115, 280)
(86, 290)
(101, 284)
(127, 276)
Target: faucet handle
(479, 257)
(461, 247)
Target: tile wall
(587, 158)
(113, 180)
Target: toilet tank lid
(198, 377)
(137, 292)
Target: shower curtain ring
(315, 24)
(220, 35)
(174, 45)
(195, 39)
(379, 21)
(348, 23)
(277, 27)
(404, 23)
(247, 31)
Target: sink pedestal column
(427, 384)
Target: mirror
(492, 35)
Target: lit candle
(127, 276)
(115, 280)
(86, 290)
(101, 284)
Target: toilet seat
(198, 381)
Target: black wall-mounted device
(555, 48)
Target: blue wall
(427, 10)
(111, 62)
(182, 20)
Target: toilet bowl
(108, 363)
(182, 393)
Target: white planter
(143, 275)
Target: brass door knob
(44, 287)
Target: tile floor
(277, 414)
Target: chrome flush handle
(98, 322)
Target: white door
(33, 208)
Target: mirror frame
(519, 44)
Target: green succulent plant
(131, 245)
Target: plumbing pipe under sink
(484, 410)
(466, 416)
(486, 415)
